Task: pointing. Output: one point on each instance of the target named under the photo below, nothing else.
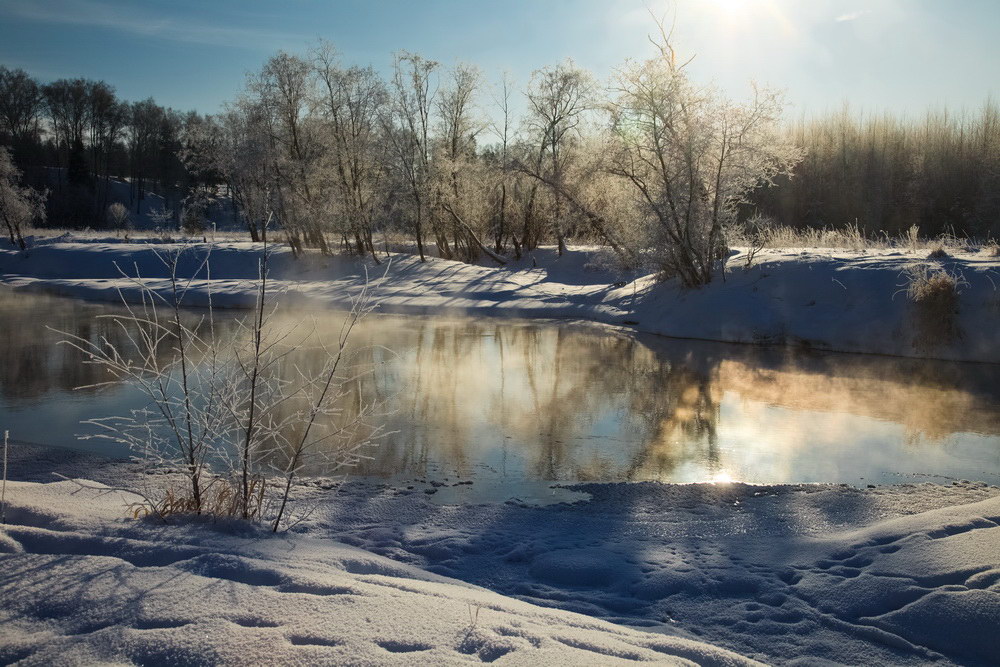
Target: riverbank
(377, 574)
(838, 300)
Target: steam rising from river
(510, 399)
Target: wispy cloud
(852, 16)
(137, 20)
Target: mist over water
(515, 406)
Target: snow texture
(824, 299)
(790, 574)
(82, 586)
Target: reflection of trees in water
(539, 391)
(680, 418)
(559, 401)
(33, 364)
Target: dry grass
(938, 252)
(221, 499)
(934, 295)
(851, 237)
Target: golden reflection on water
(514, 400)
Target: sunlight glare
(721, 477)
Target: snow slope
(832, 300)
(796, 574)
(784, 574)
(81, 585)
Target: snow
(81, 585)
(842, 300)
(789, 574)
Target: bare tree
(19, 206)
(558, 97)
(350, 104)
(503, 130)
(106, 119)
(142, 132)
(407, 128)
(692, 157)
(21, 104)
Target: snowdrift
(80, 585)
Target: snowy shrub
(938, 252)
(118, 217)
(230, 413)
(933, 293)
(193, 213)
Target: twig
(3, 491)
(104, 490)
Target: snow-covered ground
(852, 301)
(81, 585)
(639, 572)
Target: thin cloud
(145, 24)
(852, 16)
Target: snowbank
(830, 300)
(792, 574)
(81, 585)
(900, 574)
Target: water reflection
(503, 401)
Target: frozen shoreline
(822, 299)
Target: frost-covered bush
(230, 411)
(933, 293)
(118, 217)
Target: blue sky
(896, 55)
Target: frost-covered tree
(503, 130)
(284, 92)
(458, 176)
(558, 98)
(348, 105)
(19, 206)
(407, 127)
(692, 157)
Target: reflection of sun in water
(721, 477)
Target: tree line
(651, 164)
(885, 173)
(70, 137)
